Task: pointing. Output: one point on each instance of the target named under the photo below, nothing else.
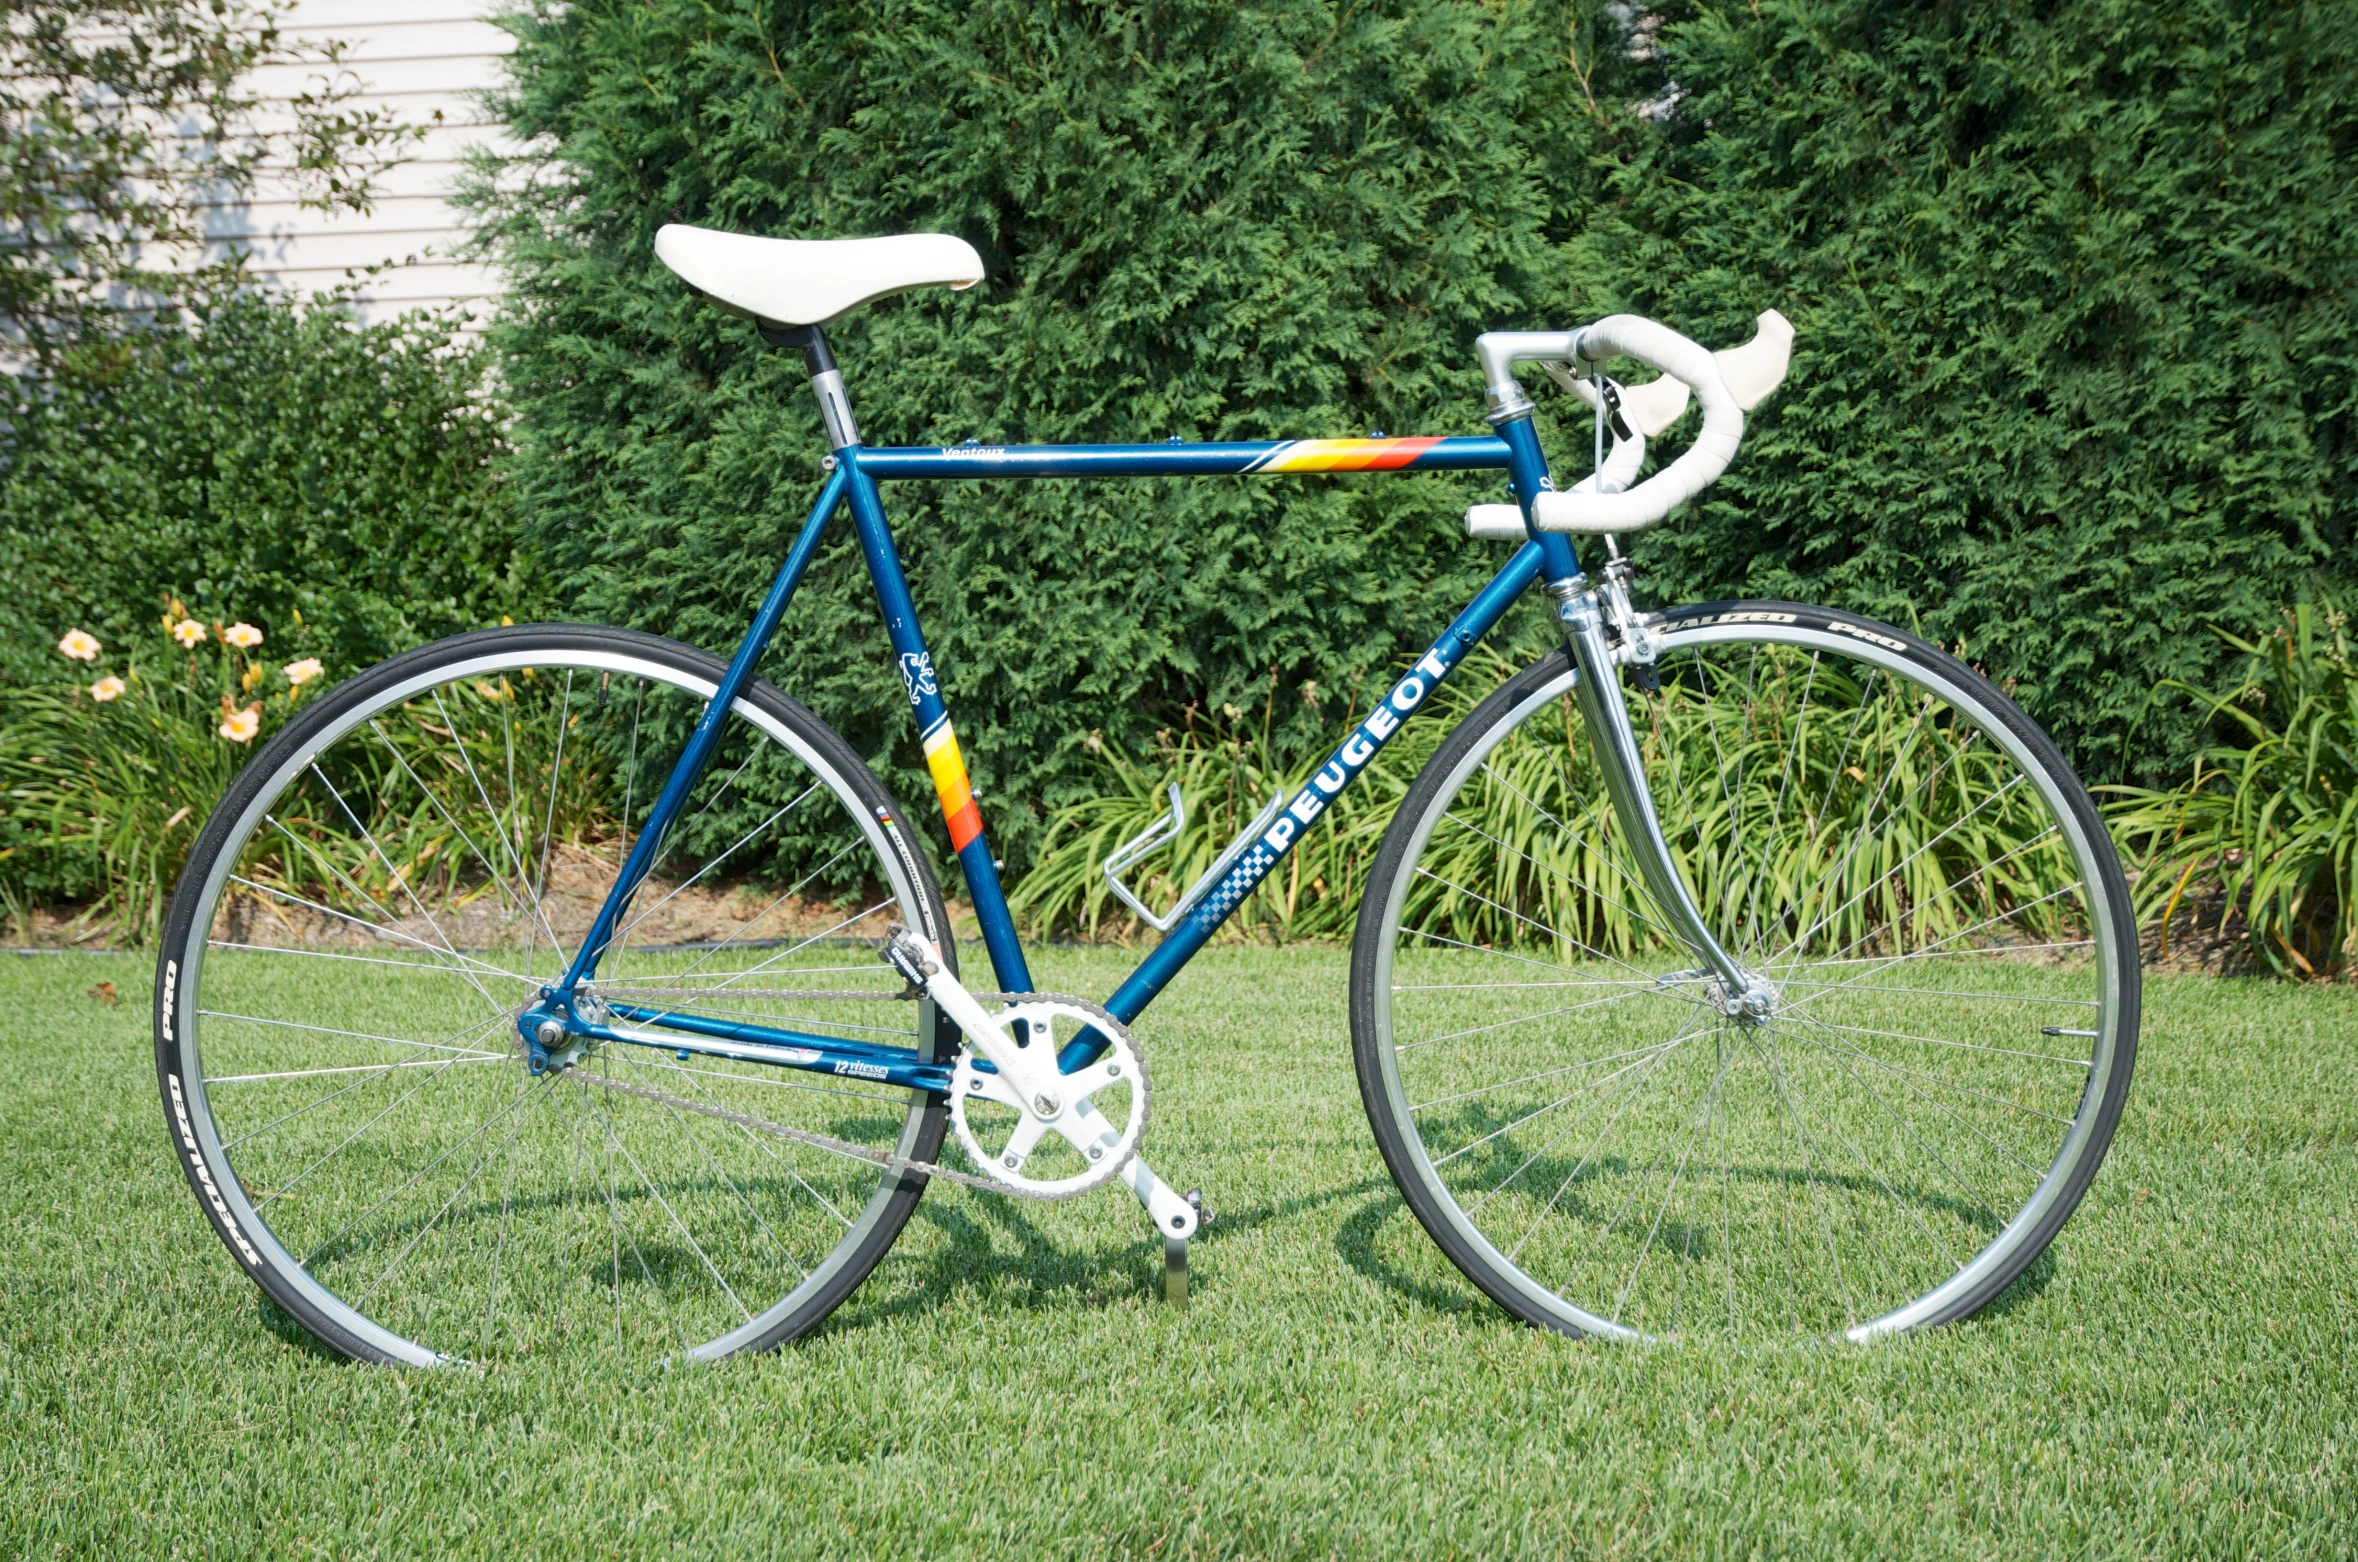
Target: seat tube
(942, 756)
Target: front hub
(1754, 1003)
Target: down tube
(1347, 761)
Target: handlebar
(1726, 384)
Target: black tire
(389, 961)
(1417, 916)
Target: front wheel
(390, 883)
(1877, 835)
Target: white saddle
(811, 281)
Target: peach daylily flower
(239, 726)
(108, 688)
(302, 672)
(80, 645)
(189, 633)
(244, 636)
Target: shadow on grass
(277, 1321)
(2024, 1289)
(1356, 1242)
(1231, 1222)
(1049, 1274)
(1054, 1274)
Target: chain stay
(886, 1159)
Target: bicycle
(1744, 969)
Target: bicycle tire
(1840, 1025)
(236, 992)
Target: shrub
(105, 780)
(2264, 832)
(2073, 292)
(257, 460)
(1917, 846)
(2072, 286)
(1227, 769)
(97, 206)
(1199, 221)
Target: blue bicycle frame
(856, 472)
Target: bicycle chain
(631, 993)
(886, 1159)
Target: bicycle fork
(1742, 995)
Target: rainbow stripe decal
(1344, 455)
(951, 786)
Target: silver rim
(1585, 1122)
(350, 1074)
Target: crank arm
(919, 966)
(1173, 1216)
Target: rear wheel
(388, 885)
(1867, 825)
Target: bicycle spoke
(1636, 883)
(678, 1224)
(1835, 815)
(1558, 937)
(399, 902)
(762, 1144)
(1526, 1079)
(1669, 1193)
(1527, 1019)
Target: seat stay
(697, 753)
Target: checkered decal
(1239, 883)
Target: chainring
(1008, 1136)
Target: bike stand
(1176, 1216)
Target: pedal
(907, 955)
(1204, 1213)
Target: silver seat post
(826, 379)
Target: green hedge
(250, 462)
(2073, 283)
(1199, 221)
(2076, 294)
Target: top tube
(1415, 453)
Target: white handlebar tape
(1723, 430)
(1727, 384)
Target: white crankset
(1007, 1095)
(1090, 1121)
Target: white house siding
(415, 58)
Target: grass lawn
(2179, 1376)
